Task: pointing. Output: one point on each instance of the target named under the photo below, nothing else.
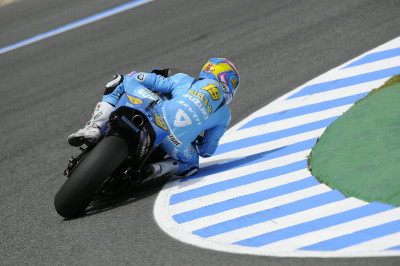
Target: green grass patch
(395, 80)
(390, 82)
(358, 154)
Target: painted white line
(247, 170)
(286, 123)
(238, 192)
(334, 231)
(268, 146)
(255, 207)
(383, 243)
(174, 230)
(287, 221)
(76, 24)
(358, 70)
(309, 100)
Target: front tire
(77, 192)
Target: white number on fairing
(186, 119)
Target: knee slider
(190, 172)
(110, 87)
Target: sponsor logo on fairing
(148, 94)
(160, 122)
(130, 123)
(130, 105)
(134, 100)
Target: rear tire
(77, 192)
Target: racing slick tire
(77, 192)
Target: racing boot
(165, 168)
(91, 132)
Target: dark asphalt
(49, 89)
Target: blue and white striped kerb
(256, 196)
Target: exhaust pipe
(138, 120)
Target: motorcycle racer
(197, 105)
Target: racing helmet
(224, 72)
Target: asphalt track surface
(49, 89)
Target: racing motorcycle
(129, 140)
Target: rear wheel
(77, 192)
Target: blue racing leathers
(196, 106)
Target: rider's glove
(199, 144)
(110, 87)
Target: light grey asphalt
(49, 89)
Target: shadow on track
(136, 193)
(128, 196)
(226, 164)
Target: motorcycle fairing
(154, 115)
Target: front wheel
(77, 192)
